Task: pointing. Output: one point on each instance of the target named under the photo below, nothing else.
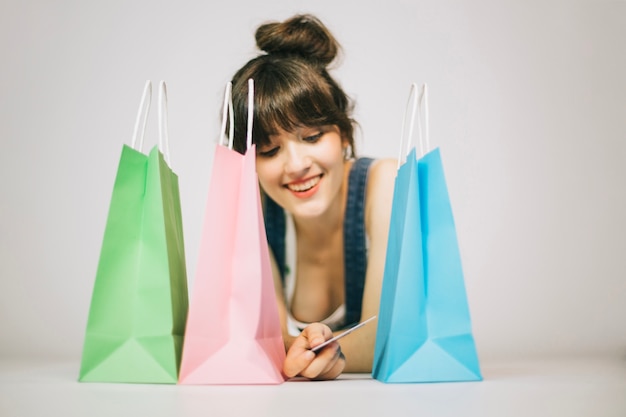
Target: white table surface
(568, 387)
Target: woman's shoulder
(382, 173)
(378, 175)
(379, 194)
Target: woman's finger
(335, 370)
(296, 361)
(300, 357)
(323, 362)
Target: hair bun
(302, 35)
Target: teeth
(304, 186)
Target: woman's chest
(319, 284)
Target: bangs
(287, 96)
(287, 103)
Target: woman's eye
(266, 153)
(313, 138)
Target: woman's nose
(297, 161)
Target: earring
(347, 152)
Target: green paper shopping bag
(424, 330)
(139, 301)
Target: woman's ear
(347, 150)
(346, 147)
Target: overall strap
(275, 229)
(354, 240)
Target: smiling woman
(333, 206)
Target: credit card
(339, 336)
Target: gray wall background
(527, 104)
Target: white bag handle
(228, 111)
(144, 110)
(142, 119)
(164, 140)
(424, 141)
(250, 112)
(417, 103)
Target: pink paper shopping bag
(233, 333)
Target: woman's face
(303, 171)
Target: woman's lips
(305, 188)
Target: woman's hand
(328, 363)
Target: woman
(335, 208)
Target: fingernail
(317, 341)
(309, 355)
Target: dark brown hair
(292, 87)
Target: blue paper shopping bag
(424, 328)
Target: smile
(304, 186)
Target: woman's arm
(280, 301)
